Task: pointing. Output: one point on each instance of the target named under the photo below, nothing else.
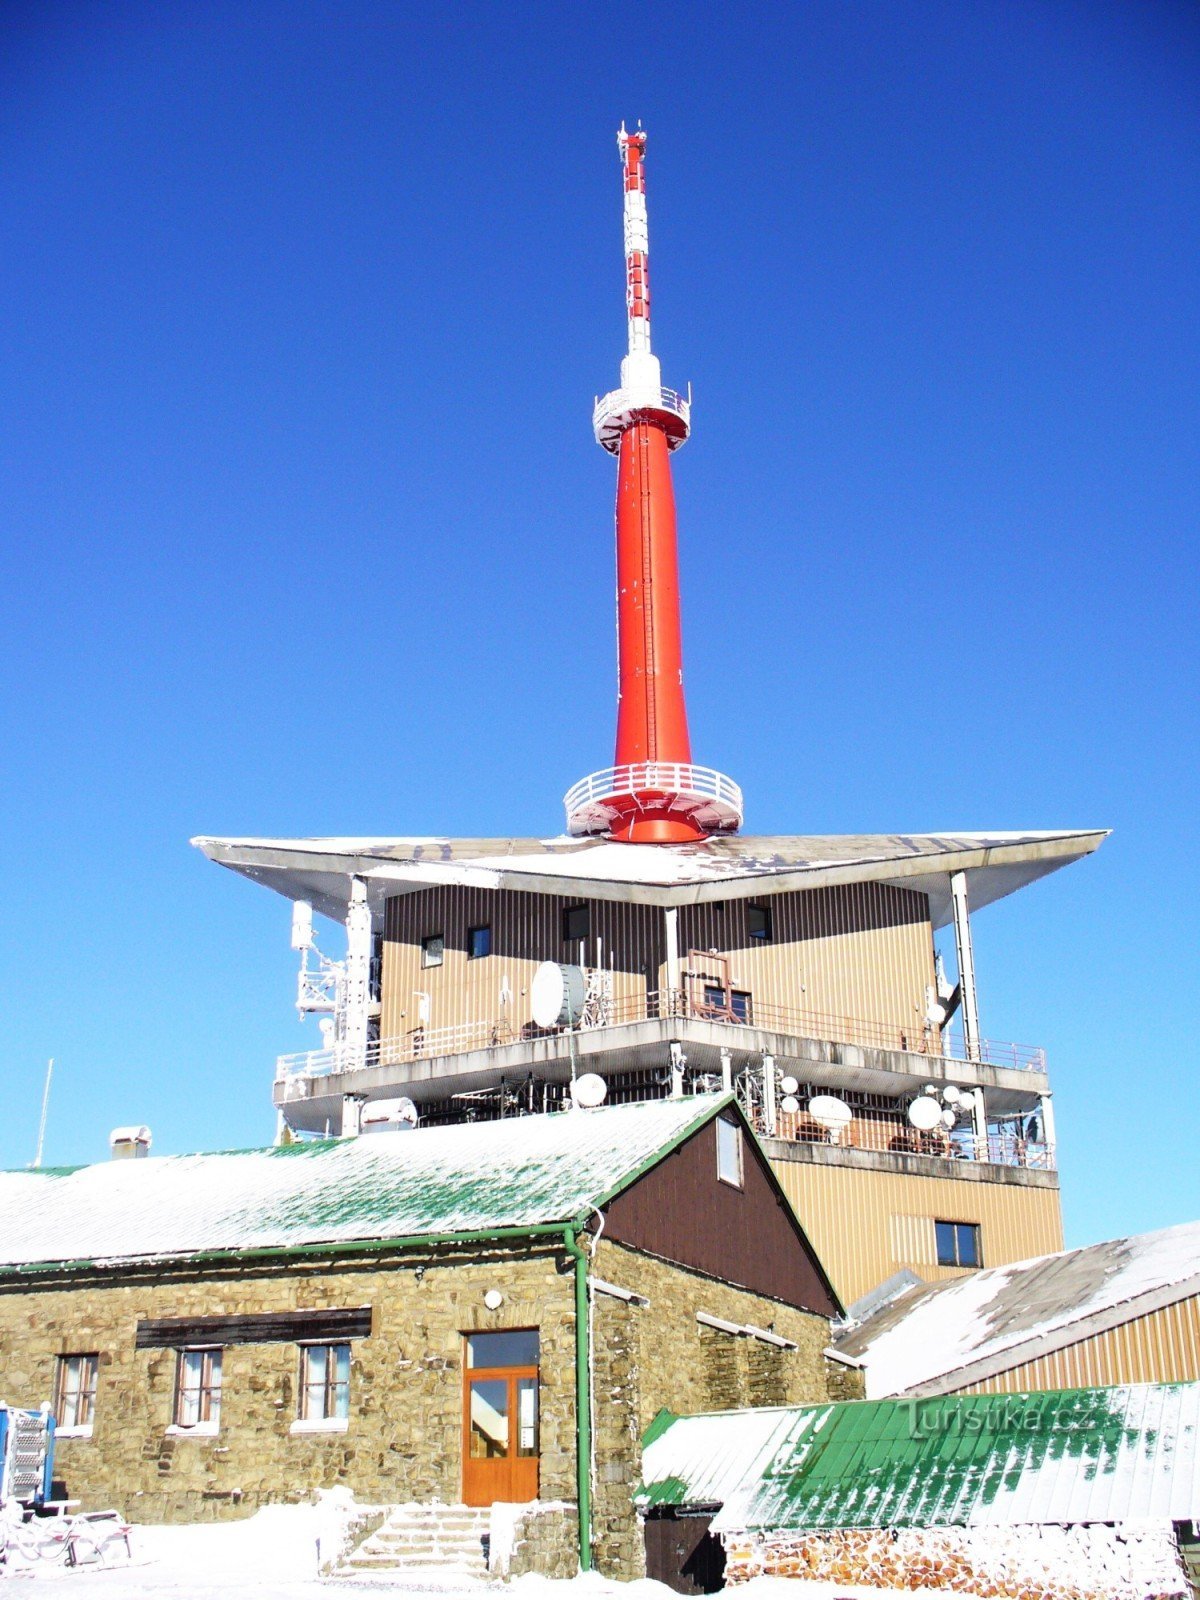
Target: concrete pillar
(671, 931)
(966, 964)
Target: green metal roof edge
(409, 1241)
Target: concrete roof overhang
(320, 870)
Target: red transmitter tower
(652, 794)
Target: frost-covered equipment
(337, 991)
(26, 1456)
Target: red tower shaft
(653, 794)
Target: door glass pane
(512, 1348)
(489, 1418)
(527, 1416)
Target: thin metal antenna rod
(37, 1160)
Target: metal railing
(699, 791)
(423, 1044)
(611, 410)
(1006, 1143)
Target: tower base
(655, 802)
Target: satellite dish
(931, 1088)
(830, 1112)
(388, 1116)
(589, 1090)
(789, 1085)
(789, 1104)
(557, 995)
(948, 1118)
(925, 1113)
(952, 1095)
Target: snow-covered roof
(663, 874)
(475, 1178)
(937, 1338)
(1121, 1455)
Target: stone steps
(436, 1542)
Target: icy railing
(423, 1044)
(1011, 1142)
(609, 416)
(701, 793)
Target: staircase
(434, 1544)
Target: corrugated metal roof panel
(436, 1181)
(1068, 1456)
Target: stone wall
(1008, 1563)
(645, 1357)
(404, 1437)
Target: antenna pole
(37, 1160)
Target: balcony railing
(425, 1044)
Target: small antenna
(37, 1160)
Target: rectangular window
(479, 942)
(729, 1153)
(324, 1383)
(758, 919)
(514, 1347)
(75, 1392)
(576, 923)
(958, 1244)
(433, 949)
(198, 1390)
(739, 1001)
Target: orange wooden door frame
(512, 1476)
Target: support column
(966, 964)
(671, 933)
(357, 995)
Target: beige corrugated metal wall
(861, 951)
(526, 930)
(1161, 1347)
(866, 1225)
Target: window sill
(83, 1431)
(320, 1425)
(198, 1430)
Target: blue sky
(302, 311)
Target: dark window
(739, 1001)
(576, 923)
(433, 948)
(375, 981)
(479, 942)
(516, 1347)
(958, 1244)
(75, 1391)
(758, 920)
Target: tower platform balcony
(615, 413)
(707, 799)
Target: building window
(576, 923)
(75, 1393)
(729, 1153)
(324, 1383)
(375, 980)
(479, 942)
(758, 919)
(739, 1002)
(198, 1390)
(433, 949)
(958, 1244)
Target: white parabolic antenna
(925, 1113)
(557, 995)
(589, 1090)
(830, 1112)
(789, 1104)
(789, 1085)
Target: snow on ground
(275, 1555)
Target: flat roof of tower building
(319, 870)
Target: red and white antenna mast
(653, 794)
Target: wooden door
(500, 1419)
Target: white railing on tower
(659, 778)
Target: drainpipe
(583, 1400)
